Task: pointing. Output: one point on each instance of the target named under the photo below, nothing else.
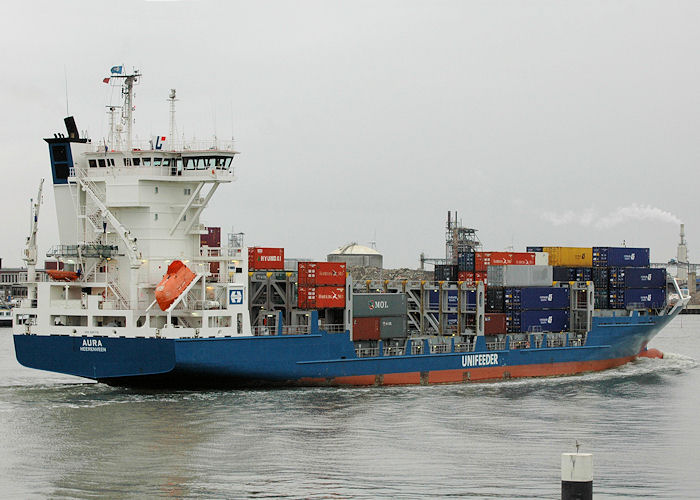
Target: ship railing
(367, 352)
(22, 277)
(260, 331)
(463, 347)
(296, 330)
(394, 351)
(519, 344)
(168, 148)
(417, 348)
(576, 342)
(496, 346)
(333, 328)
(555, 341)
(439, 348)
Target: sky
(541, 123)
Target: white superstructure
(124, 213)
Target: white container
(541, 258)
(520, 275)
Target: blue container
(452, 320)
(533, 249)
(512, 298)
(583, 274)
(616, 277)
(649, 297)
(471, 298)
(513, 321)
(616, 298)
(544, 298)
(466, 261)
(552, 320)
(620, 257)
(644, 277)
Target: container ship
(140, 292)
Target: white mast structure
(173, 128)
(30, 251)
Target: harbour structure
(148, 295)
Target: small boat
(175, 281)
(59, 275)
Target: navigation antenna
(128, 107)
(173, 128)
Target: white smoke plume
(591, 218)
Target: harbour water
(64, 438)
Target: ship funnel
(71, 127)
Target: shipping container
(484, 259)
(621, 257)
(261, 258)
(572, 273)
(495, 299)
(446, 272)
(536, 298)
(212, 238)
(321, 297)
(481, 276)
(452, 299)
(494, 323)
(465, 261)
(322, 273)
(570, 256)
(365, 329)
(452, 319)
(514, 276)
(621, 298)
(648, 297)
(392, 327)
(541, 258)
(466, 276)
(601, 299)
(433, 299)
(522, 259)
(534, 249)
(512, 321)
(551, 320)
(600, 277)
(645, 277)
(379, 304)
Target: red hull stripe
(474, 374)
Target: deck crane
(30, 250)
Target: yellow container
(570, 256)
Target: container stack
(569, 263)
(379, 316)
(623, 278)
(472, 267)
(321, 285)
(536, 308)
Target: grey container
(372, 305)
(520, 276)
(392, 327)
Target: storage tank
(356, 255)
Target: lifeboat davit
(176, 279)
(57, 275)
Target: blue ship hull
(322, 358)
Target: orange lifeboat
(176, 279)
(57, 275)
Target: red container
(523, 259)
(494, 323)
(321, 297)
(322, 273)
(214, 267)
(261, 258)
(466, 276)
(481, 276)
(484, 259)
(365, 329)
(212, 238)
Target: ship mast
(30, 251)
(173, 129)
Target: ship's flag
(116, 70)
(105, 80)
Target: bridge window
(101, 162)
(127, 162)
(93, 163)
(157, 162)
(146, 162)
(188, 191)
(166, 162)
(137, 162)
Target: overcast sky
(541, 123)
